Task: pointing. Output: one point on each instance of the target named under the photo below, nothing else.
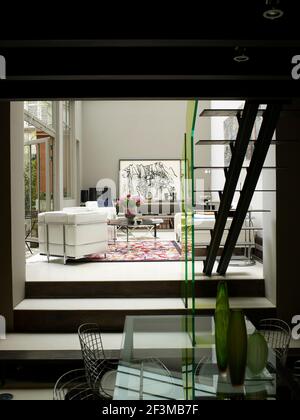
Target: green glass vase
(237, 347)
(222, 316)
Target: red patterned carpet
(139, 251)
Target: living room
(106, 150)
(149, 202)
(105, 162)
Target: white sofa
(72, 234)
(206, 223)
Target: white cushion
(110, 212)
(91, 204)
(72, 218)
(75, 210)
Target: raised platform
(65, 315)
(133, 280)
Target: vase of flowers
(130, 205)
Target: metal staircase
(246, 119)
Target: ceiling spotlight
(272, 10)
(240, 55)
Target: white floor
(37, 269)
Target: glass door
(38, 178)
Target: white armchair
(72, 234)
(205, 223)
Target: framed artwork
(157, 180)
(231, 127)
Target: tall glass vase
(237, 347)
(222, 316)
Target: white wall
(114, 130)
(17, 200)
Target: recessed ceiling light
(273, 11)
(241, 56)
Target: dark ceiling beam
(150, 43)
(202, 77)
(262, 91)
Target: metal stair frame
(246, 124)
(262, 146)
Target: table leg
(155, 231)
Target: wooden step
(205, 287)
(65, 315)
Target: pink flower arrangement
(129, 203)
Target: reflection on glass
(159, 361)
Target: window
(39, 140)
(41, 110)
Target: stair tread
(100, 304)
(133, 304)
(55, 342)
(237, 303)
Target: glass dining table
(162, 360)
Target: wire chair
(278, 335)
(101, 373)
(74, 386)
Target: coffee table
(124, 224)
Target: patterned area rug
(138, 251)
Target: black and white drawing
(151, 179)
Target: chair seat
(107, 383)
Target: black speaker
(92, 194)
(84, 196)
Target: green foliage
(33, 184)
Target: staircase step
(205, 287)
(46, 347)
(65, 315)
